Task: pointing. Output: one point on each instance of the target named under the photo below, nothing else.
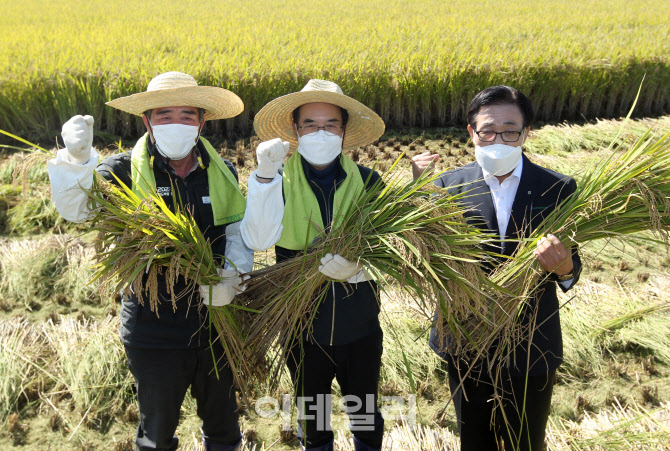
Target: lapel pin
(529, 193)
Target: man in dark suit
(507, 401)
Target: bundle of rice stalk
(402, 233)
(141, 241)
(626, 192)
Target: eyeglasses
(313, 128)
(508, 137)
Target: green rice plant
(75, 282)
(28, 210)
(19, 168)
(8, 198)
(598, 324)
(90, 366)
(645, 329)
(30, 269)
(582, 351)
(620, 322)
(33, 214)
(410, 78)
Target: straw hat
(275, 120)
(179, 89)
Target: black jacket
(348, 312)
(187, 326)
(540, 191)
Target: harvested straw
(400, 234)
(142, 241)
(140, 238)
(626, 192)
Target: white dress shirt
(503, 195)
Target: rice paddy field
(416, 63)
(64, 383)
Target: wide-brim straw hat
(179, 89)
(275, 120)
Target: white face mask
(498, 159)
(320, 148)
(175, 141)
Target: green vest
(302, 216)
(228, 203)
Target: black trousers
(517, 417)
(162, 377)
(356, 367)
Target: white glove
(337, 267)
(224, 291)
(77, 135)
(270, 155)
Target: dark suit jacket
(540, 191)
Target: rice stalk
(625, 192)
(142, 241)
(140, 238)
(614, 324)
(407, 363)
(408, 437)
(408, 235)
(90, 365)
(36, 270)
(631, 428)
(19, 380)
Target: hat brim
(275, 120)
(218, 103)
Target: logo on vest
(164, 191)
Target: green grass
(415, 66)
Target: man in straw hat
(507, 400)
(290, 209)
(168, 350)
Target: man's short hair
(202, 112)
(296, 115)
(501, 95)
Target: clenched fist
(270, 155)
(77, 135)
